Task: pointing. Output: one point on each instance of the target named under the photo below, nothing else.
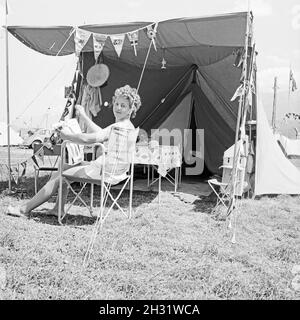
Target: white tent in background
(274, 174)
(290, 146)
(15, 139)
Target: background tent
(15, 139)
(275, 174)
(200, 53)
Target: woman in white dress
(126, 103)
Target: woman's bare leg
(65, 191)
(54, 210)
(42, 196)
(49, 190)
(75, 172)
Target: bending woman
(126, 103)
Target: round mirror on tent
(97, 75)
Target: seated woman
(126, 103)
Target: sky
(37, 81)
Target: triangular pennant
(81, 38)
(35, 163)
(151, 33)
(239, 91)
(293, 81)
(239, 58)
(40, 154)
(242, 76)
(117, 40)
(99, 42)
(249, 97)
(133, 38)
(24, 166)
(14, 173)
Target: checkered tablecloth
(164, 157)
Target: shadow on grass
(208, 205)
(205, 204)
(25, 191)
(69, 220)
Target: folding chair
(222, 191)
(117, 166)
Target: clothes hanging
(91, 101)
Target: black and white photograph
(150, 151)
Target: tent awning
(201, 41)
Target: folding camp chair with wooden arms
(107, 178)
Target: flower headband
(132, 95)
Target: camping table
(162, 158)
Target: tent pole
(274, 105)
(238, 122)
(289, 96)
(7, 99)
(255, 103)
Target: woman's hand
(80, 111)
(65, 133)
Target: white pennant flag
(151, 33)
(81, 38)
(239, 91)
(133, 38)
(99, 42)
(117, 41)
(14, 172)
(249, 97)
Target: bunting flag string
(117, 40)
(81, 38)
(292, 115)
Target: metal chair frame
(105, 182)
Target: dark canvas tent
(200, 57)
(200, 75)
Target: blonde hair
(131, 95)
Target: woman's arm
(83, 138)
(90, 124)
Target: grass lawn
(177, 251)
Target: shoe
(15, 212)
